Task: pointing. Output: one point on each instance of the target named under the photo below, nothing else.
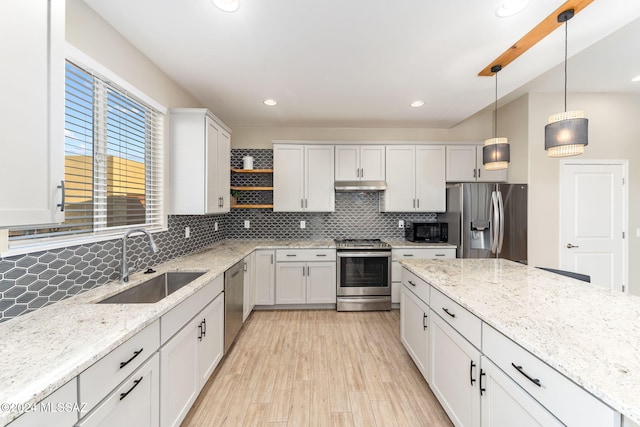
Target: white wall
(614, 133)
(513, 122)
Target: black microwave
(431, 232)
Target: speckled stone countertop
(588, 333)
(43, 350)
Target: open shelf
(251, 170)
(239, 188)
(252, 206)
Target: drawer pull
(446, 310)
(407, 255)
(439, 254)
(482, 389)
(291, 255)
(135, 384)
(536, 381)
(321, 254)
(204, 325)
(424, 321)
(200, 334)
(411, 283)
(135, 354)
(471, 379)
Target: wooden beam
(540, 31)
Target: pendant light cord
(566, 36)
(495, 111)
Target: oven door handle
(378, 254)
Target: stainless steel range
(364, 275)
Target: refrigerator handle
(501, 207)
(495, 222)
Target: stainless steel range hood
(360, 186)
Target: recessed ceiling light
(270, 102)
(227, 5)
(416, 104)
(511, 7)
(636, 79)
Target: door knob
(570, 246)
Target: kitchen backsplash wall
(31, 281)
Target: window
(112, 160)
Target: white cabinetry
(413, 253)
(415, 177)
(464, 164)
(360, 162)
(249, 289)
(414, 328)
(65, 395)
(32, 111)
(302, 279)
(264, 267)
(303, 178)
(200, 156)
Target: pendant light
(566, 133)
(495, 153)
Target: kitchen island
(588, 334)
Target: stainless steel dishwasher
(233, 300)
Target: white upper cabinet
(415, 178)
(303, 178)
(464, 164)
(360, 162)
(32, 111)
(200, 156)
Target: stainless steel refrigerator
(488, 220)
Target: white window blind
(113, 176)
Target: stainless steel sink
(153, 290)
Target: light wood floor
(317, 368)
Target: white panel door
(401, 178)
(321, 283)
(288, 178)
(264, 277)
(211, 176)
(592, 209)
(372, 162)
(223, 171)
(211, 338)
(291, 283)
(461, 163)
(430, 178)
(414, 329)
(320, 182)
(347, 162)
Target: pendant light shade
(567, 132)
(496, 153)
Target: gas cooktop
(361, 244)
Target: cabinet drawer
(566, 400)
(305, 255)
(457, 316)
(177, 317)
(423, 253)
(103, 376)
(416, 285)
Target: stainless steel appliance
(233, 300)
(488, 220)
(431, 232)
(364, 275)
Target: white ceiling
(360, 63)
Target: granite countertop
(42, 350)
(588, 333)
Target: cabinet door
(430, 178)
(321, 282)
(265, 277)
(291, 283)
(320, 182)
(32, 111)
(503, 402)
(454, 372)
(372, 162)
(401, 179)
(347, 162)
(66, 394)
(134, 403)
(414, 329)
(211, 176)
(211, 343)
(488, 176)
(224, 170)
(288, 178)
(179, 381)
(461, 163)
(249, 286)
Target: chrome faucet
(124, 271)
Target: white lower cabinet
(188, 359)
(65, 395)
(454, 373)
(413, 253)
(302, 279)
(414, 329)
(264, 270)
(133, 403)
(505, 403)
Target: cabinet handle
(321, 254)
(292, 255)
(411, 283)
(135, 384)
(301, 203)
(204, 327)
(482, 374)
(63, 196)
(471, 379)
(308, 271)
(418, 203)
(414, 203)
(424, 318)
(446, 310)
(479, 170)
(439, 254)
(245, 266)
(200, 334)
(407, 255)
(536, 381)
(474, 173)
(135, 354)
(271, 258)
(306, 203)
